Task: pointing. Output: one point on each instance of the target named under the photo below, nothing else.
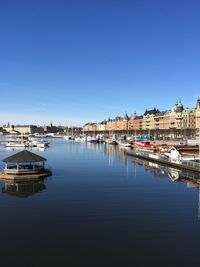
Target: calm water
(99, 209)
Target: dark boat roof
(24, 156)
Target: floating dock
(24, 166)
(25, 177)
(165, 160)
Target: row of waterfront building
(34, 129)
(176, 122)
(30, 129)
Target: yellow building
(101, 127)
(178, 122)
(149, 122)
(90, 127)
(197, 114)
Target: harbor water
(100, 208)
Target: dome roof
(178, 107)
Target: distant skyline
(72, 62)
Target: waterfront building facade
(23, 129)
(121, 124)
(177, 122)
(90, 127)
(53, 129)
(149, 122)
(101, 127)
(135, 123)
(197, 114)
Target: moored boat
(15, 144)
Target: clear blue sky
(75, 61)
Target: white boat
(124, 143)
(55, 135)
(40, 135)
(39, 143)
(15, 144)
(91, 139)
(83, 139)
(69, 137)
(111, 141)
(80, 139)
(77, 139)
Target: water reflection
(91, 214)
(191, 179)
(110, 150)
(23, 189)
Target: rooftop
(24, 156)
(151, 112)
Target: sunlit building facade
(177, 122)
